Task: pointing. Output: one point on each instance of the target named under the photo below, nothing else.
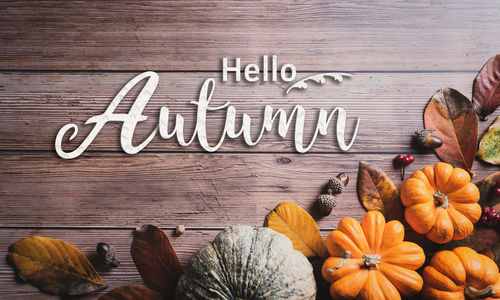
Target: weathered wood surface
(167, 189)
(63, 62)
(34, 106)
(194, 35)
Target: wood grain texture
(168, 189)
(195, 35)
(34, 106)
(63, 62)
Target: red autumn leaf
(486, 90)
(131, 292)
(454, 120)
(156, 259)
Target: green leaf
(489, 148)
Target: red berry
(498, 183)
(484, 219)
(400, 159)
(486, 210)
(493, 212)
(497, 217)
(409, 159)
(496, 191)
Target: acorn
(326, 202)
(108, 254)
(179, 230)
(336, 185)
(424, 138)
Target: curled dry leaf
(377, 191)
(486, 91)
(54, 266)
(489, 147)
(156, 259)
(294, 222)
(486, 189)
(454, 120)
(131, 292)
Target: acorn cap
(326, 202)
(110, 258)
(422, 136)
(337, 184)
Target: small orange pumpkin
(461, 274)
(441, 202)
(371, 261)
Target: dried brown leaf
(294, 222)
(486, 189)
(54, 266)
(481, 240)
(377, 191)
(156, 259)
(486, 91)
(454, 120)
(131, 292)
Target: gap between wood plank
(25, 151)
(120, 228)
(217, 71)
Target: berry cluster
(403, 161)
(490, 216)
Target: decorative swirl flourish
(319, 78)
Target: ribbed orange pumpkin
(461, 274)
(441, 202)
(371, 261)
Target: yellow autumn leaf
(294, 222)
(54, 266)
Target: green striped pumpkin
(248, 263)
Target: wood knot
(284, 160)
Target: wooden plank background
(63, 62)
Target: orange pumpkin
(461, 274)
(441, 202)
(371, 261)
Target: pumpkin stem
(372, 261)
(440, 199)
(342, 261)
(474, 293)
